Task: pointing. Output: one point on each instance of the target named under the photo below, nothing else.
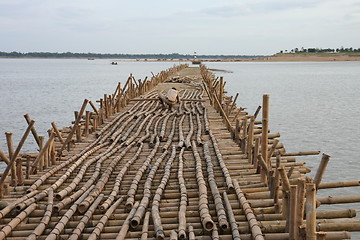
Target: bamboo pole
(183, 199)
(233, 223)
(10, 146)
(85, 219)
(155, 208)
(125, 227)
(33, 130)
(191, 233)
(250, 144)
(103, 220)
(265, 127)
(251, 218)
(45, 220)
(291, 222)
(21, 143)
(4, 157)
(310, 211)
(321, 169)
(145, 228)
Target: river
(314, 105)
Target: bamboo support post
(9, 141)
(291, 222)
(250, 144)
(265, 127)
(57, 132)
(286, 191)
(310, 211)
(321, 170)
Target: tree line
(321, 50)
(115, 55)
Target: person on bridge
(170, 99)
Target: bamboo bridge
(129, 169)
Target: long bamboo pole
(310, 211)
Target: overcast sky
(249, 27)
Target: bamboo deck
(130, 169)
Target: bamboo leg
(310, 211)
(320, 172)
(11, 153)
(41, 160)
(265, 127)
(87, 123)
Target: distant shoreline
(288, 57)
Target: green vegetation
(320, 50)
(116, 55)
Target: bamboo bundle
(190, 133)
(16, 221)
(205, 216)
(220, 209)
(254, 226)
(66, 217)
(230, 186)
(125, 227)
(171, 135)
(145, 228)
(45, 220)
(135, 182)
(233, 224)
(80, 175)
(118, 180)
(140, 212)
(102, 181)
(181, 133)
(84, 220)
(103, 220)
(155, 211)
(83, 154)
(183, 198)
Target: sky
(211, 27)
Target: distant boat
(196, 62)
(113, 63)
(91, 58)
